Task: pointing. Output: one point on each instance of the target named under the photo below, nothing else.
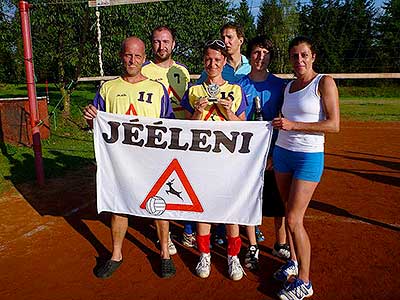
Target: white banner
(181, 169)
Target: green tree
(342, 32)
(11, 66)
(243, 16)
(325, 22)
(388, 37)
(359, 55)
(65, 38)
(60, 44)
(195, 22)
(279, 20)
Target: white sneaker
(296, 290)
(289, 269)
(235, 269)
(203, 267)
(171, 246)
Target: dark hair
(217, 45)
(300, 40)
(164, 27)
(237, 27)
(261, 41)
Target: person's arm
(226, 105)
(330, 102)
(89, 113)
(240, 114)
(199, 106)
(185, 103)
(166, 106)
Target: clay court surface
(50, 238)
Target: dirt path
(49, 239)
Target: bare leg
(300, 195)
(284, 181)
(163, 235)
(232, 230)
(119, 226)
(280, 230)
(203, 228)
(251, 235)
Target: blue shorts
(303, 165)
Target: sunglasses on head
(219, 43)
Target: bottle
(258, 110)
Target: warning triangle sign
(175, 198)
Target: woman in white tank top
(310, 109)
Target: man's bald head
(133, 40)
(133, 56)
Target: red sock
(203, 243)
(234, 244)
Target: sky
(255, 4)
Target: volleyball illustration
(156, 206)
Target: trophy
(212, 91)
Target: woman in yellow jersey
(216, 100)
(229, 103)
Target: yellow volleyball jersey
(146, 98)
(175, 78)
(212, 111)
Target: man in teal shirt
(237, 65)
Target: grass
(379, 103)
(376, 92)
(70, 145)
(366, 103)
(368, 109)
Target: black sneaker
(167, 268)
(281, 251)
(108, 269)
(251, 258)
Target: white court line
(36, 230)
(27, 234)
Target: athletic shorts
(303, 165)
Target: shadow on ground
(337, 211)
(372, 175)
(71, 195)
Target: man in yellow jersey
(164, 69)
(131, 94)
(175, 78)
